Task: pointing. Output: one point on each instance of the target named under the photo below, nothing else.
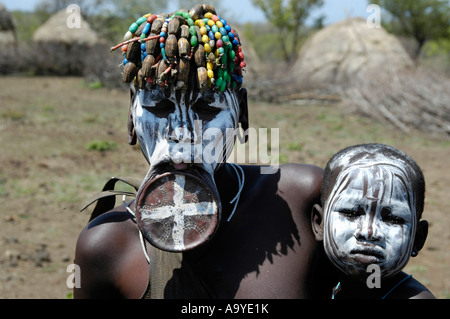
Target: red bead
(151, 18)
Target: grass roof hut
(62, 42)
(374, 75)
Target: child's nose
(368, 229)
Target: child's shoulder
(411, 289)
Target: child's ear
(420, 238)
(317, 222)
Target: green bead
(226, 76)
(186, 15)
(220, 73)
(192, 30)
(219, 82)
(194, 41)
(141, 20)
(232, 55)
(224, 59)
(190, 21)
(133, 27)
(223, 86)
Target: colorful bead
(133, 27)
(220, 57)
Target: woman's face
(185, 128)
(370, 218)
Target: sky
(334, 10)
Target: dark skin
(357, 288)
(267, 250)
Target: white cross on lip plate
(176, 212)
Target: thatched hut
(62, 42)
(7, 28)
(345, 49)
(8, 42)
(374, 75)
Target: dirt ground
(52, 131)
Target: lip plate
(159, 194)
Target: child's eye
(393, 219)
(350, 213)
(389, 217)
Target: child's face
(370, 218)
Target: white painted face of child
(370, 218)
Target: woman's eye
(162, 108)
(205, 110)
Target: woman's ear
(420, 238)
(317, 222)
(243, 111)
(131, 132)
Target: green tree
(288, 17)
(421, 19)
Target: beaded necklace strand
(219, 45)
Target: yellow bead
(147, 15)
(210, 74)
(203, 30)
(209, 65)
(211, 23)
(200, 22)
(218, 35)
(219, 24)
(205, 38)
(206, 46)
(208, 15)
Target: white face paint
(185, 127)
(370, 218)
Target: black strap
(106, 199)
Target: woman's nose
(180, 128)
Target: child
(372, 202)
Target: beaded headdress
(164, 50)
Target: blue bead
(162, 34)
(223, 31)
(223, 22)
(142, 46)
(227, 27)
(125, 61)
(146, 28)
(231, 35)
(211, 35)
(161, 45)
(235, 41)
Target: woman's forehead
(148, 97)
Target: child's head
(372, 202)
